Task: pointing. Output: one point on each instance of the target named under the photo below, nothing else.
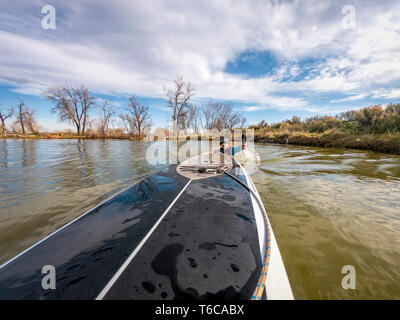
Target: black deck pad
(87, 253)
(206, 247)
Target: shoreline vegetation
(384, 143)
(374, 128)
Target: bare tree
(127, 123)
(221, 116)
(4, 115)
(25, 117)
(107, 111)
(137, 120)
(242, 123)
(31, 121)
(20, 115)
(178, 100)
(193, 119)
(72, 104)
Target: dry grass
(387, 143)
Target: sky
(270, 59)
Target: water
(44, 184)
(328, 208)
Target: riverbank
(386, 143)
(68, 136)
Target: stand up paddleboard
(196, 230)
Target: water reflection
(4, 153)
(80, 167)
(28, 151)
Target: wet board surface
(87, 253)
(205, 247)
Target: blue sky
(270, 59)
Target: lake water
(328, 207)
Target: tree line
(75, 104)
(23, 116)
(186, 116)
(368, 120)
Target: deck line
(139, 246)
(73, 221)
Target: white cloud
(137, 47)
(351, 98)
(254, 108)
(283, 103)
(387, 94)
